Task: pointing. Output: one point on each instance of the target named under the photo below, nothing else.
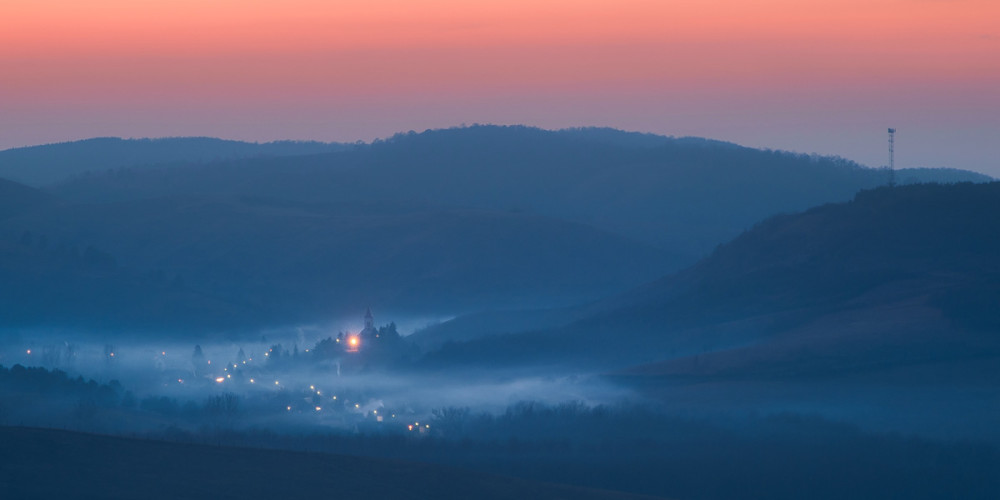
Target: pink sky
(826, 76)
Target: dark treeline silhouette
(38, 396)
(642, 450)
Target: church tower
(369, 320)
(370, 333)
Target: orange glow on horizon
(353, 69)
(187, 38)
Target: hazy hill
(939, 175)
(40, 165)
(298, 262)
(684, 195)
(50, 283)
(93, 466)
(17, 198)
(896, 276)
(441, 222)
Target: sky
(813, 76)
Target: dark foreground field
(44, 463)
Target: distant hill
(46, 282)
(939, 175)
(684, 195)
(896, 276)
(437, 223)
(94, 466)
(41, 165)
(17, 198)
(208, 261)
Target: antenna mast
(892, 157)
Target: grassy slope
(40, 463)
(893, 276)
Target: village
(319, 384)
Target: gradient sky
(825, 76)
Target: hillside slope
(49, 163)
(684, 195)
(93, 466)
(16, 198)
(905, 275)
(294, 262)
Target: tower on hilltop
(892, 157)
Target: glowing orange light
(275, 382)
(289, 408)
(318, 408)
(220, 380)
(354, 341)
(410, 427)
(163, 353)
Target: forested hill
(684, 195)
(41, 165)
(903, 274)
(204, 262)
(16, 198)
(437, 223)
(837, 251)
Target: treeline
(53, 398)
(638, 448)
(642, 449)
